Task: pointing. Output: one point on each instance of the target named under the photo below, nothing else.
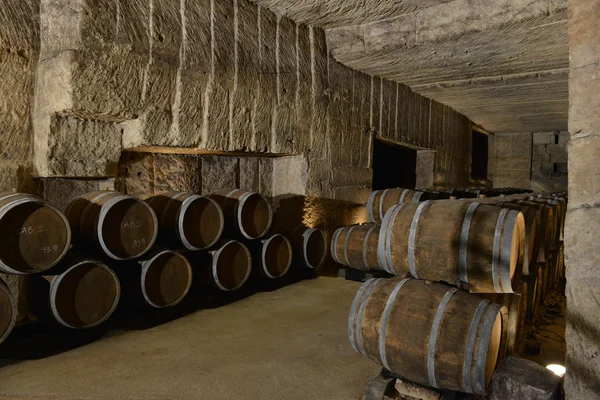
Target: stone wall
(84, 81)
(582, 229)
(549, 162)
(536, 161)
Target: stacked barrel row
(484, 246)
(146, 250)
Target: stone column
(582, 235)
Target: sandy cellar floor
(287, 344)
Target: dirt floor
(290, 343)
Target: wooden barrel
(248, 215)
(35, 236)
(187, 220)
(309, 246)
(428, 333)
(466, 244)
(161, 280)
(272, 256)
(380, 201)
(533, 229)
(547, 222)
(8, 311)
(81, 294)
(356, 246)
(113, 224)
(556, 218)
(227, 268)
(534, 292)
(516, 304)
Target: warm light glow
(557, 369)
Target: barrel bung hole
(315, 248)
(233, 265)
(203, 223)
(167, 280)
(34, 237)
(129, 228)
(277, 256)
(255, 216)
(86, 295)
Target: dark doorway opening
(479, 163)
(393, 166)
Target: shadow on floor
(39, 339)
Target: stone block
(177, 173)
(250, 173)
(556, 149)
(16, 93)
(352, 177)
(564, 138)
(80, 147)
(543, 138)
(540, 158)
(583, 320)
(584, 82)
(518, 378)
(136, 174)
(219, 172)
(246, 78)
(265, 167)
(584, 170)
(356, 195)
(59, 192)
(559, 158)
(581, 241)
(290, 175)
(584, 31)
(16, 177)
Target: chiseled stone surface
(60, 192)
(162, 75)
(504, 64)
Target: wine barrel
(227, 268)
(556, 221)
(534, 292)
(516, 304)
(80, 294)
(428, 333)
(309, 246)
(533, 229)
(547, 222)
(271, 256)
(466, 244)
(8, 311)
(380, 201)
(113, 224)
(35, 235)
(187, 220)
(248, 215)
(356, 246)
(161, 280)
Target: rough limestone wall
(549, 162)
(512, 160)
(582, 229)
(19, 52)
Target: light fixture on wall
(559, 370)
